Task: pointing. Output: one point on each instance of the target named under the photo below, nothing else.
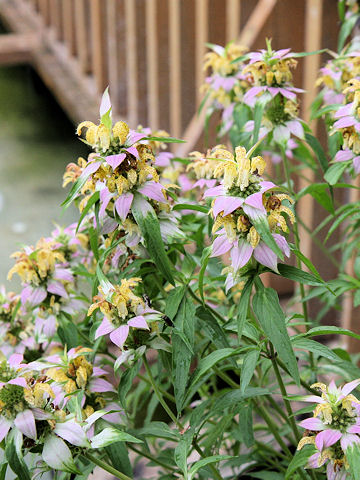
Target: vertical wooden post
(68, 23)
(112, 52)
(131, 67)
(201, 35)
(152, 64)
(81, 30)
(97, 43)
(44, 11)
(55, 19)
(232, 20)
(175, 67)
(313, 30)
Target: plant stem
(284, 394)
(273, 428)
(152, 458)
(106, 466)
(159, 395)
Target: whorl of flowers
(270, 77)
(244, 201)
(121, 309)
(226, 84)
(334, 428)
(348, 124)
(121, 169)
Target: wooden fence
(150, 54)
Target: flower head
(122, 309)
(334, 427)
(243, 203)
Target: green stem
(274, 429)
(152, 458)
(159, 395)
(105, 466)
(284, 394)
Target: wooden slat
(68, 25)
(113, 52)
(131, 63)
(17, 48)
(201, 36)
(98, 60)
(44, 11)
(313, 30)
(247, 37)
(55, 19)
(232, 20)
(175, 67)
(81, 37)
(152, 64)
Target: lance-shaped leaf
(148, 223)
(14, 455)
(110, 435)
(299, 460)
(80, 182)
(206, 461)
(57, 455)
(182, 342)
(272, 320)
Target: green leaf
(206, 364)
(345, 30)
(181, 453)
(93, 199)
(211, 328)
(261, 224)
(306, 54)
(203, 262)
(315, 347)
(110, 435)
(318, 192)
(353, 457)
(77, 186)
(233, 398)
(335, 171)
(148, 223)
(126, 382)
(248, 368)
(181, 358)
(206, 461)
(318, 150)
(331, 330)
(159, 430)
(243, 306)
(246, 425)
(297, 275)
(14, 455)
(119, 457)
(165, 139)
(299, 460)
(174, 300)
(189, 206)
(272, 320)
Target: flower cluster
(122, 309)
(244, 204)
(122, 171)
(334, 429)
(348, 124)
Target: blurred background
(58, 56)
